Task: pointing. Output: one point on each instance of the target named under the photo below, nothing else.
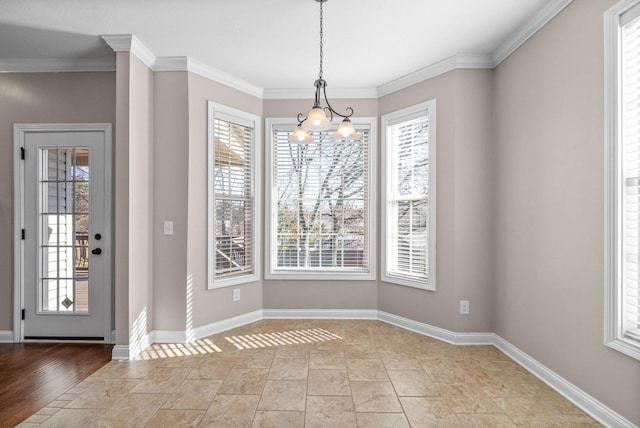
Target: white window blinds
(232, 199)
(408, 197)
(320, 203)
(630, 170)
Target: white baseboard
(6, 336)
(169, 336)
(581, 399)
(120, 352)
(228, 324)
(335, 314)
(437, 332)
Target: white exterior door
(66, 232)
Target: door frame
(19, 131)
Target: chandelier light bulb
(316, 120)
(300, 136)
(346, 131)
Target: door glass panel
(64, 230)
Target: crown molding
(183, 63)
(130, 43)
(227, 79)
(307, 93)
(532, 26)
(56, 65)
(444, 66)
(171, 63)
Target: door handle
(96, 251)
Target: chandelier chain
(321, 34)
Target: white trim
(581, 399)
(227, 79)
(527, 30)
(183, 63)
(437, 332)
(436, 69)
(310, 273)
(428, 109)
(171, 336)
(130, 43)
(315, 314)
(56, 65)
(613, 334)
(227, 324)
(6, 336)
(120, 352)
(168, 336)
(255, 123)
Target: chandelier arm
(301, 119)
(349, 110)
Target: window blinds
(233, 202)
(630, 165)
(322, 203)
(409, 198)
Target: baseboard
(6, 336)
(437, 332)
(581, 399)
(168, 336)
(120, 352)
(224, 325)
(336, 314)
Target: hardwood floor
(33, 374)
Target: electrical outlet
(236, 295)
(464, 307)
(168, 227)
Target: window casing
(622, 214)
(233, 204)
(408, 177)
(320, 204)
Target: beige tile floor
(313, 373)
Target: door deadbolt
(98, 237)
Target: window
(622, 127)
(232, 220)
(409, 196)
(320, 204)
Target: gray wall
(465, 200)
(550, 204)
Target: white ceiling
(273, 44)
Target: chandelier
(316, 119)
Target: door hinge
(23, 234)
(23, 315)
(22, 151)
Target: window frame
(232, 115)
(388, 120)
(271, 192)
(615, 336)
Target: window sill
(408, 282)
(627, 346)
(229, 282)
(321, 276)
